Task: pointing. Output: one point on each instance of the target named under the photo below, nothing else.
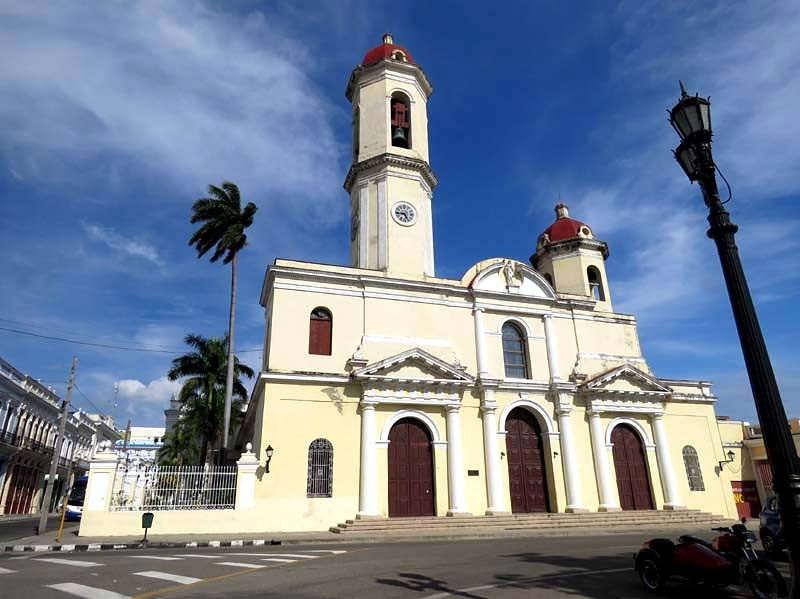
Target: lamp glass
(269, 451)
(731, 455)
(687, 158)
(691, 116)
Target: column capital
(488, 408)
(476, 309)
(656, 416)
(368, 404)
(562, 409)
(453, 407)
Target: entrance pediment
(414, 366)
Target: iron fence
(149, 487)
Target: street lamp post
(691, 118)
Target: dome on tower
(388, 49)
(565, 227)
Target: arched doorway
(411, 491)
(527, 476)
(633, 483)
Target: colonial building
(29, 420)
(388, 391)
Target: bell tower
(572, 259)
(390, 181)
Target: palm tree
(203, 371)
(180, 444)
(224, 223)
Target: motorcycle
(727, 559)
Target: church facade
(386, 391)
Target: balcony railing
(21, 442)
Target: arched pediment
(504, 275)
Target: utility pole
(127, 438)
(48, 492)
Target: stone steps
(519, 522)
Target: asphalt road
(17, 528)
(591, 566)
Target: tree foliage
(202, 398)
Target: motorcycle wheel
(770, 543)
(765, 581)
(651, 575)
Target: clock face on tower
(404, 213)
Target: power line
(91, 403)
(108, 346)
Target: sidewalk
(70, 540)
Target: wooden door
(526, 470)
(633, 483)
(410, 470)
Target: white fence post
(101, 479)
(246, 480)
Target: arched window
(320, 469)
(320, 332)
(693, 472)
(595, 284)
(400, 110)
(515, 355)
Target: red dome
(564, 228)
(385, 50)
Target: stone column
(367, 497)
(569, 458)
(246, 479)
(480, 343)
(455, 464)
(608, 501)
(672, 500)
(494, 469)
(552, 348)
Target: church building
(386, 391)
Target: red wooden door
(526, 471)
(410, 470)
(633, 483)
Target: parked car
(771, 531)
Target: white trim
(363, 225)
(536, 409)
(421, 416)
(518, 321)
(316, 378)
(637, 426)
(383, 260)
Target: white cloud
(123, 244)
(189, 94)
(138, 395)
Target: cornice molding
(388, 159)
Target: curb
(138, 545)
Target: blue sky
(116, 115)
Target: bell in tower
(401, 129)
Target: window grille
(693, 472)
(320, 468)
(515, 356)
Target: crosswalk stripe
(81, 590)
(168, 576)
(4, 571)
(161, 557)
(334, 551)
(68, 562)
(277, 559)
(200, 555)
(294, 555)
(239, 565)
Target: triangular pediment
(625, 379)
(414, 365)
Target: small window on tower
(400, 121)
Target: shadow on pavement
(422, 583)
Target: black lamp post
(691, 118)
